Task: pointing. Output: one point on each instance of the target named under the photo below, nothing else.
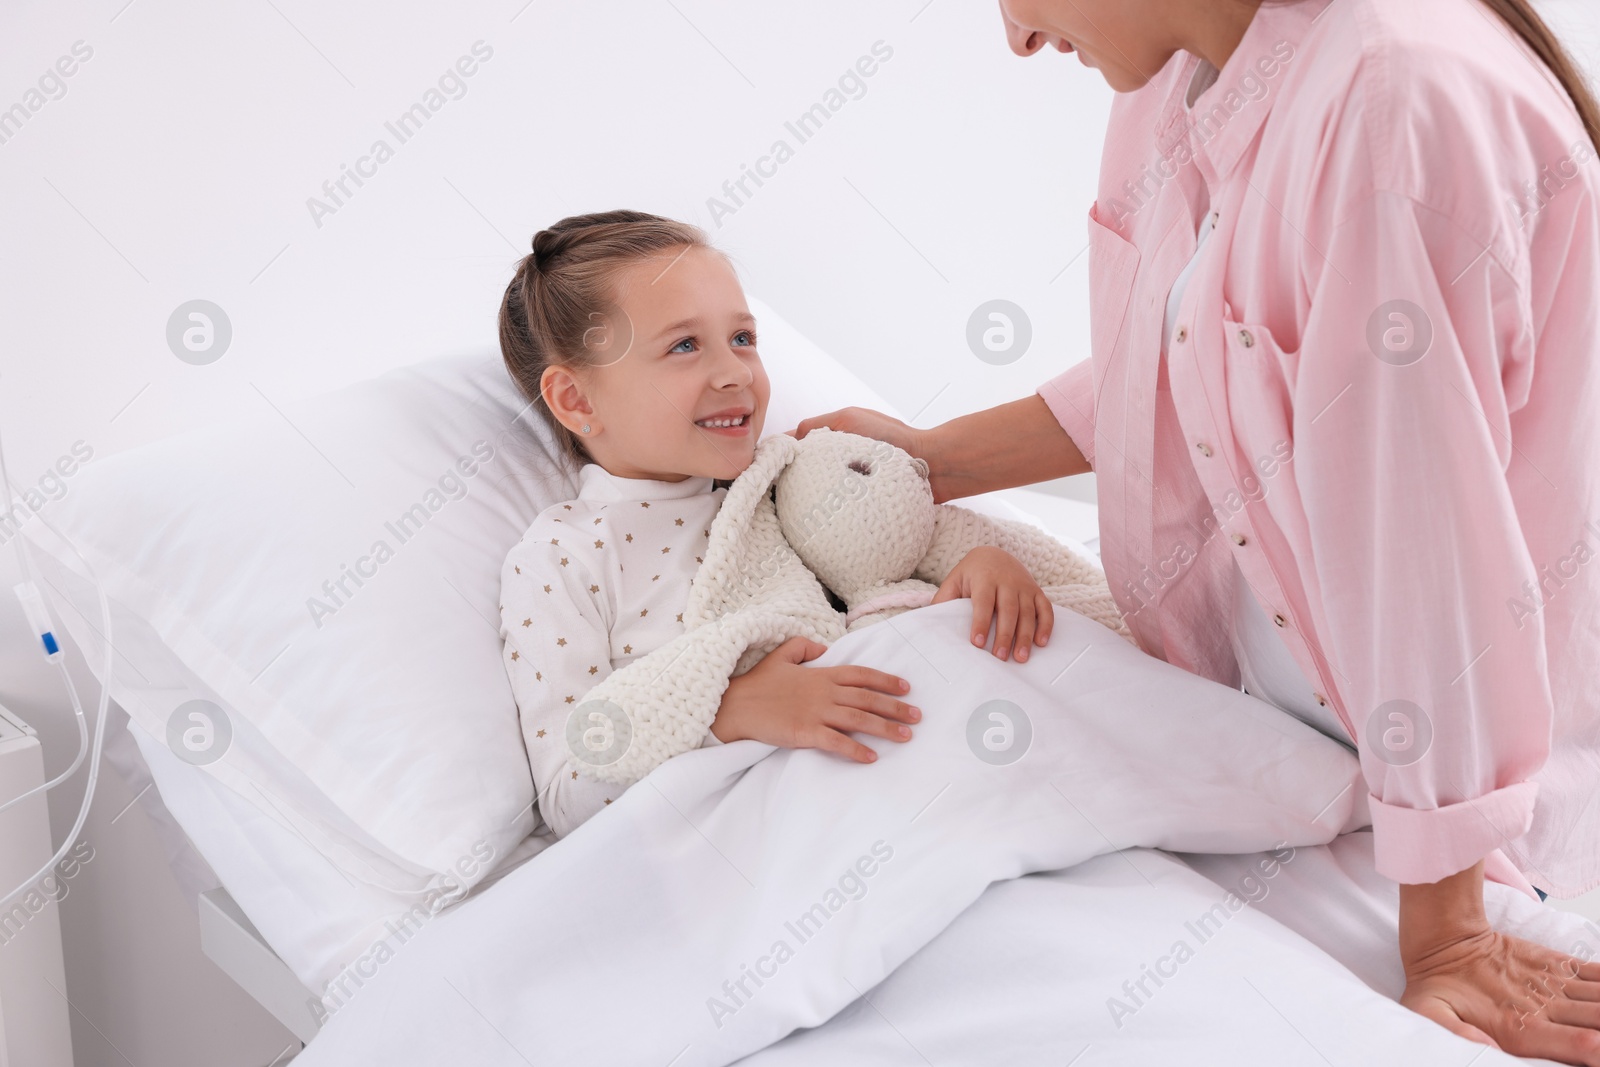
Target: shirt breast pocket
(1260, 402)
(1113, 266)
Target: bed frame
(230, 941)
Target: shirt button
(1238, 538)
(1205, 449)
(1321, 700)
(1280, 620)
(1247, 339)
(1183, 334)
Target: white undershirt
(1267, 668)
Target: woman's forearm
(1016, 443)
(1441, 913)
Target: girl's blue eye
(679, 346)
(749, 337)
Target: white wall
(178, 165)
(192, 140)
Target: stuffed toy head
(859, 512)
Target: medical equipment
(35, 1022)
(34, 606)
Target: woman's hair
(1536, 34)
(565, 287)
(1527, 24)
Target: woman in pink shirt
(1344, 408)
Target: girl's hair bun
(548, 244)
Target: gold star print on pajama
(574, 609)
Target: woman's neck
(1212, 30)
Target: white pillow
(377, 727)
(374, 720)
(318, 921)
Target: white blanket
(1038, 971)
(739, 893)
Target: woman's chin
(1122, 81)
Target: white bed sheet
(1026, 974)
(823, 876)
(1306, 975)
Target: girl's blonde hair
(565, 287)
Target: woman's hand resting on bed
(1004, 593)
(1521, 997)
(781, 702)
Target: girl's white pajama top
(594, 584)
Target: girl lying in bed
(630, 336)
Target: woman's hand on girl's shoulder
(781, 702)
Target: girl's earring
(586, 427)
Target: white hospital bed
(233, 943)
(1083, 966)
(1034, 971)
(1062, 968)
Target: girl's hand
(782, 703)
(1003, 591)
(1517, 996)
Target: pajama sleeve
(1411, 366)
(556, 621)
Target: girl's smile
(685, 393)
(734, 422)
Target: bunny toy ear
(747, 551)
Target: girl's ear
(563, 394)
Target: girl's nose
(731, 370)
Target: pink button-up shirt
(1382, 399)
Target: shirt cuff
(1070, 397)
(1413, 845)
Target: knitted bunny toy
(838, 509)
(860, 514)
